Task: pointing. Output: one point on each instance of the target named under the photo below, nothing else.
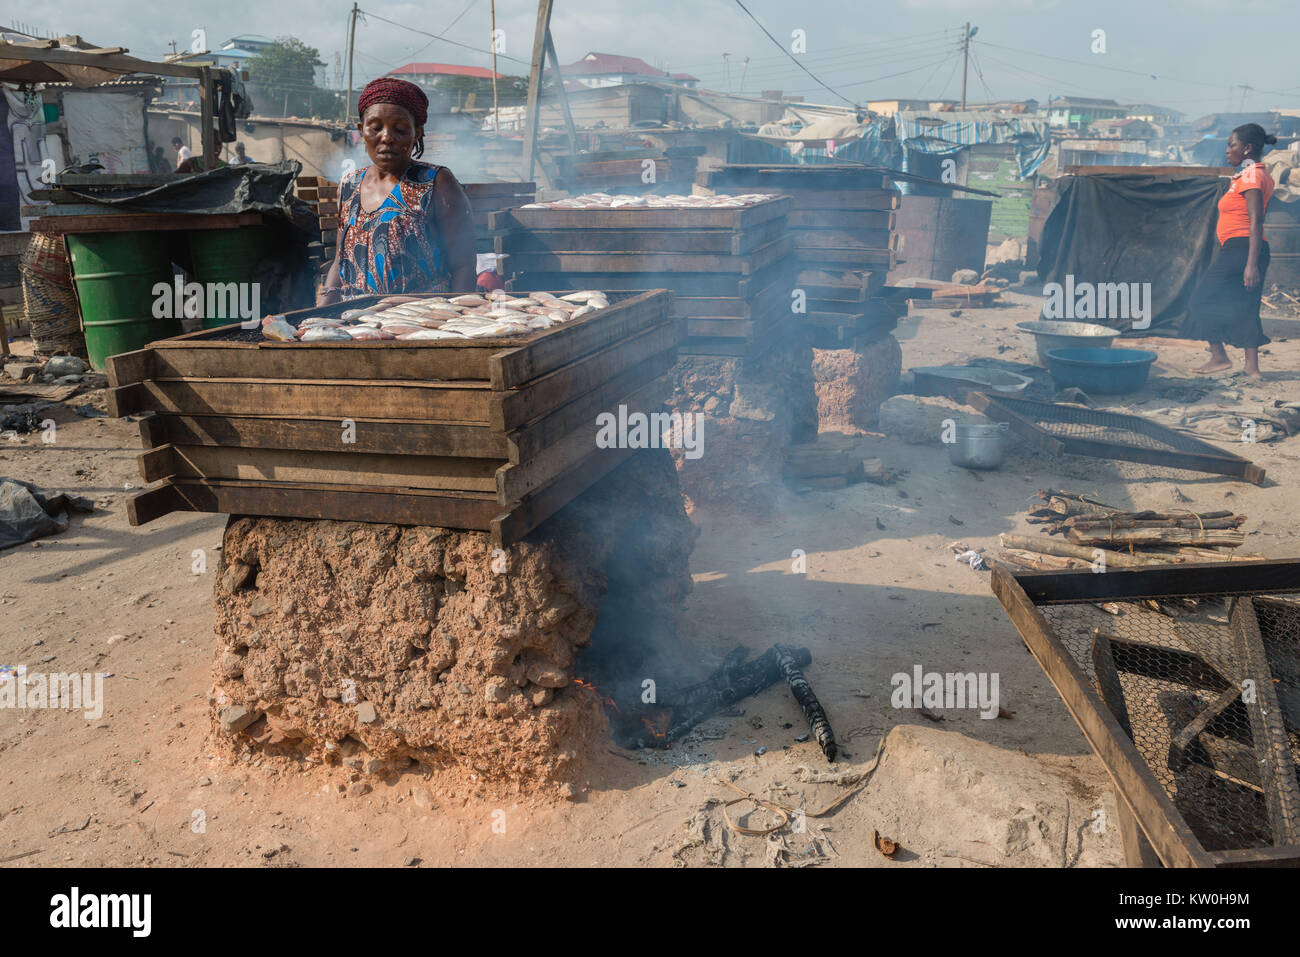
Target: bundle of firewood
(1123, 538)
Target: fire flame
(606, 700)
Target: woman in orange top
(1225, 305)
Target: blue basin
(1101, 371)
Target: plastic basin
(1101, 371)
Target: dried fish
(279, 330)
(326, 334)
(429, 334)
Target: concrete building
(609, 69)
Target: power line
(1116, 69)
(792, 56)
(890, 76)
(853, 61)
(853, 49)
(436, 36)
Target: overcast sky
(1201, 52)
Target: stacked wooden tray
(488, 434)
(488, 198)
(843, 225)
(323, 196)
(730, 270)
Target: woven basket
(49, 298)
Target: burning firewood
(803, 693)
(733, 680)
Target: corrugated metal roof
(444, 69)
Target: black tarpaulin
(1120, 228)
(251, 188)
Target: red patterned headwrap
(387, 89)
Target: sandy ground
(881, 593)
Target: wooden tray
(497, 454)
(740, 219)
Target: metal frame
(1205, 458)
(1151, 826)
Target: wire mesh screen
(1208, 688)
(1064, 421)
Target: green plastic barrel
(115, 274)
(222, 256)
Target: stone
(260, 608)
(358, 789)
(235, 576)
(966, 277)
(236, 718)
(919, 420)
(232, 666)
(64, 365)
(21, 370)
(754, 402)
(205, 781)
(542, 697)
(496, 692)
(366, 713)
(67, 379)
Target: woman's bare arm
(454, 221)
(1255, 207)
(332, 289)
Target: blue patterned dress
(395, 248)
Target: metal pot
(977, 446)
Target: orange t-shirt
(1234, 219)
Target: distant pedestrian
(1225, 305)
(183, 152)
(240, 156)
(158, 161)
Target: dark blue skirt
(1222, 308)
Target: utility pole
(1244, 88)
(965, 60)
(352, 36)
(743, 70)
(726, 58)
(496, 111)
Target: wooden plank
(726, 242)
(450, 403)
(1161, 823)
(128, 367)
(143, 507)
(843, 199)
(128, 222)
(1163, 581)
(471, 511)
(842, 219)
(312, 360)
(1257, 857)
(510, 410)
(326, 435)
(843, 238)
(1138, 851)
(847, 258)
(316, 467)
(127, 400)
(511, 368)
(783, 178)
(531, 440)
(723, 328)
(1268, 733)
(643, 218)
(646, 263)
(514, 481)
(1108, 684)
(509, 527)
(710, 285)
